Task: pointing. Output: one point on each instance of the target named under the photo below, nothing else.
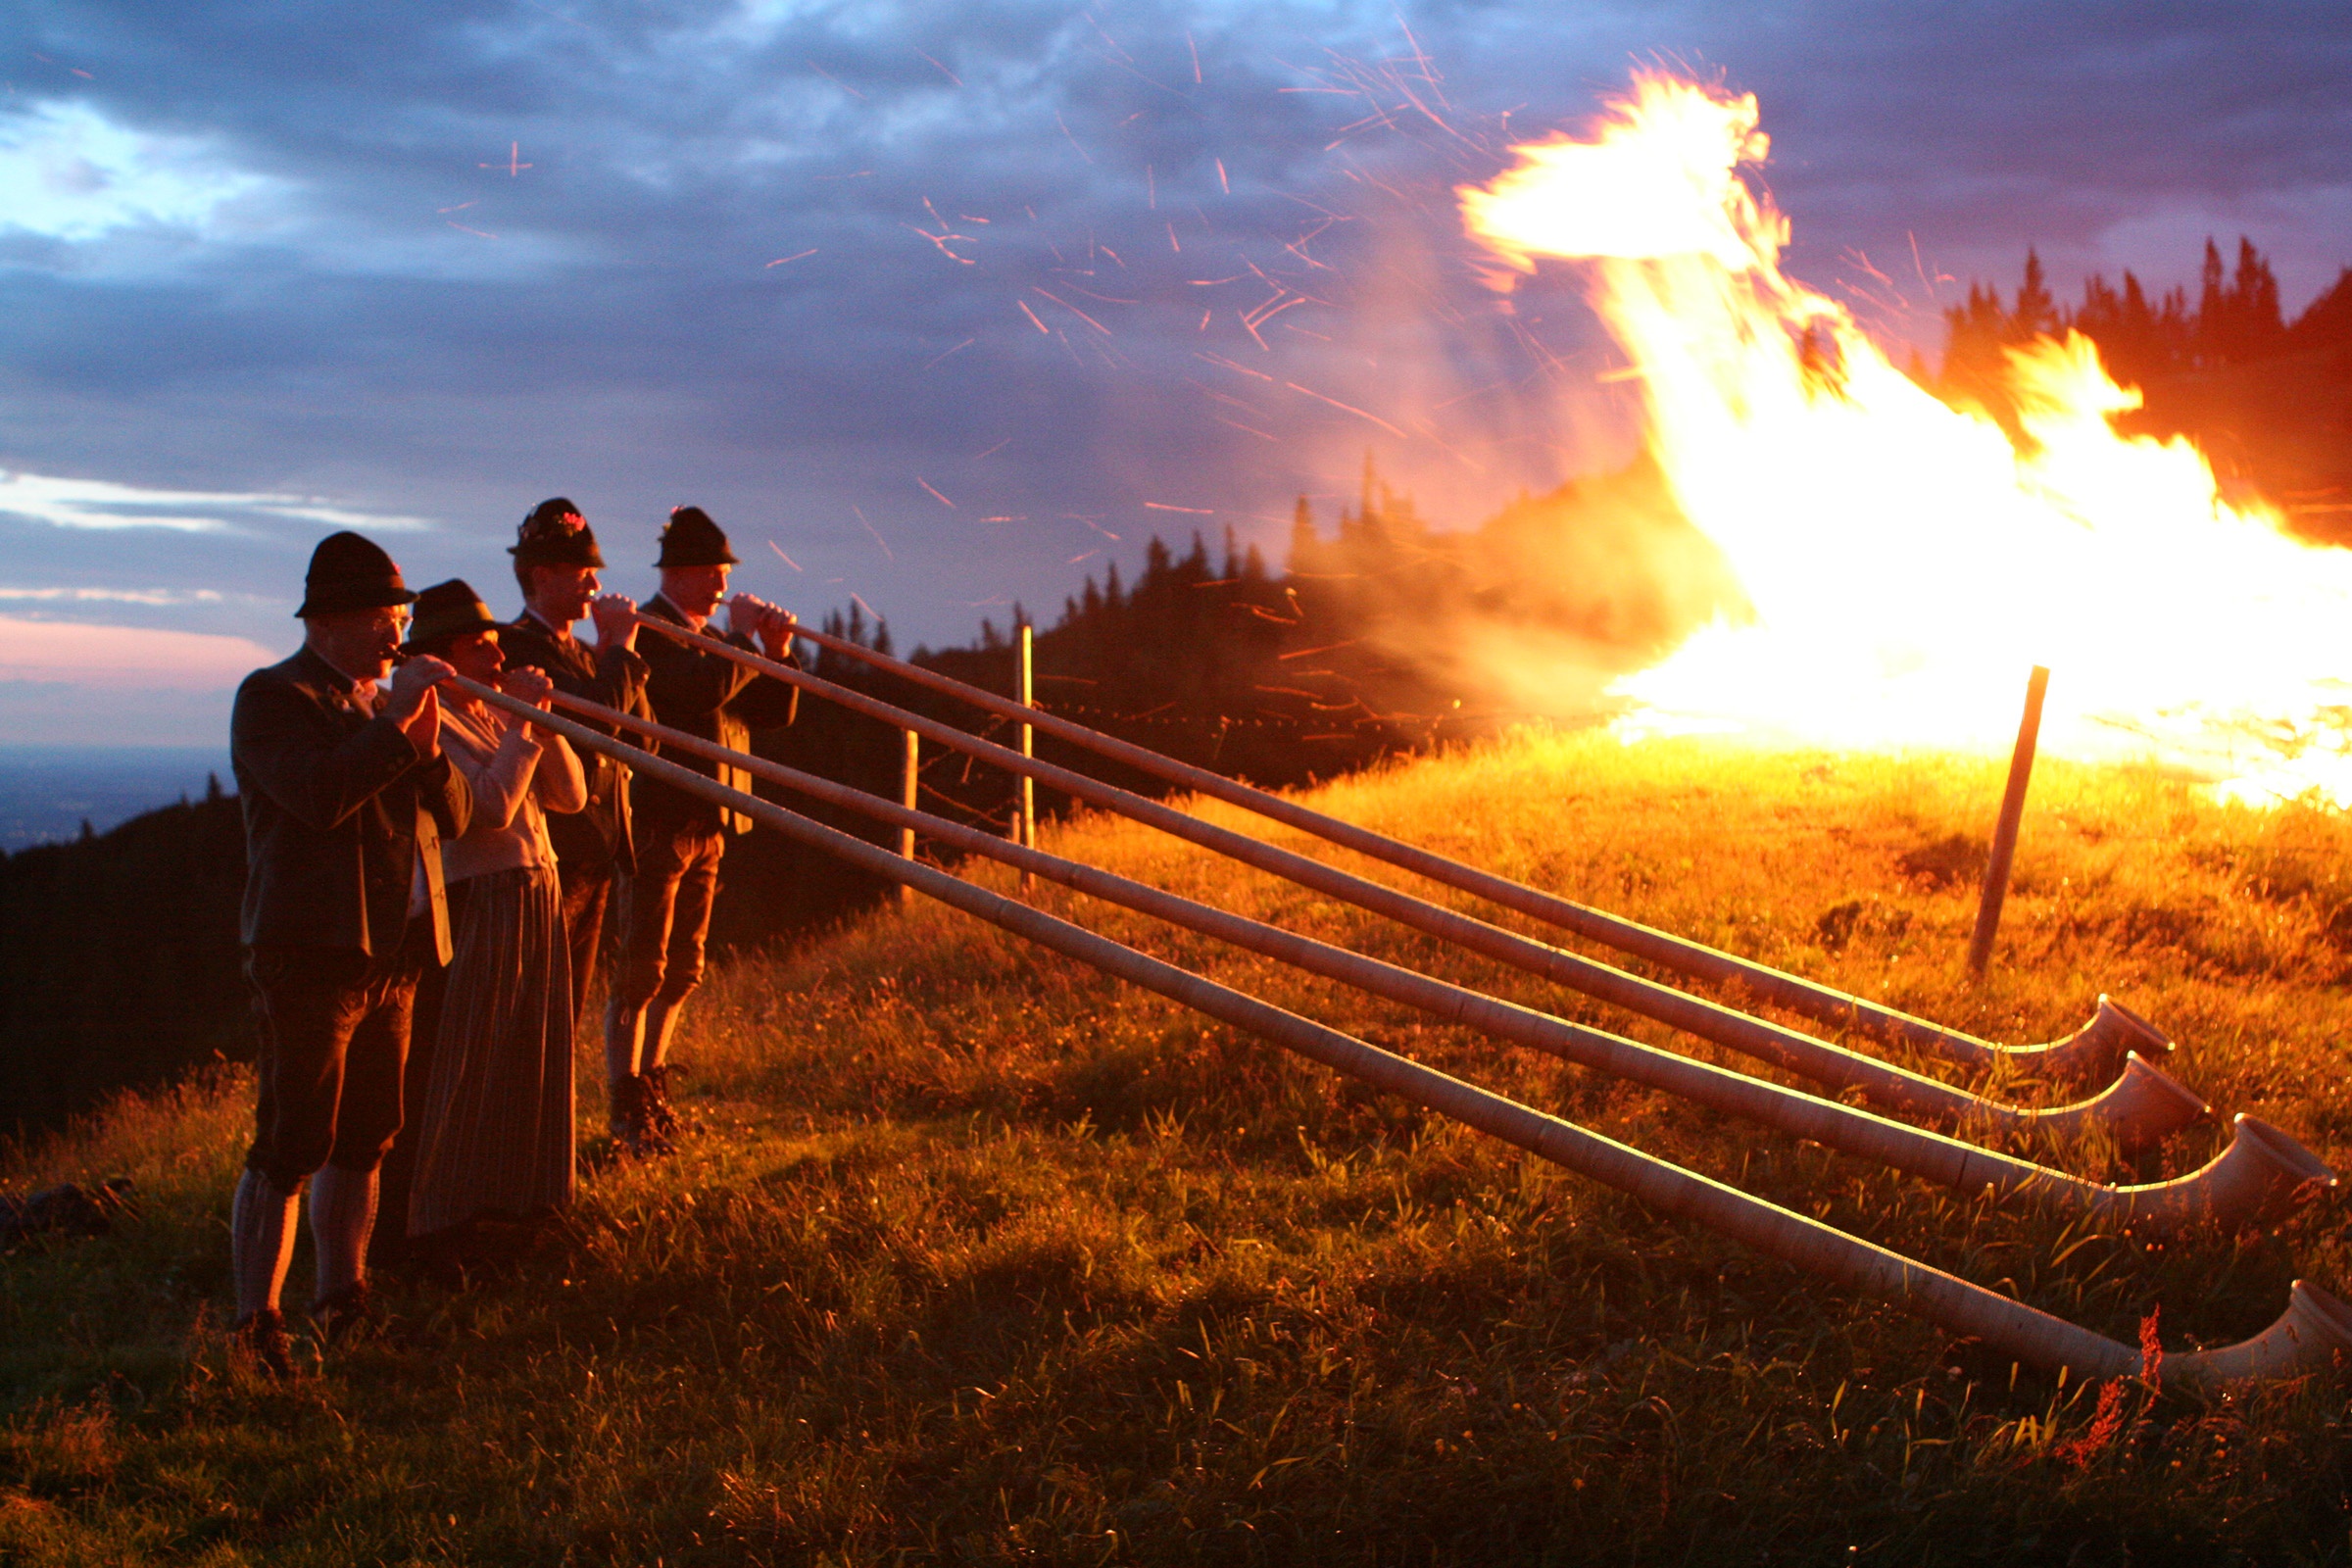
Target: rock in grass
(68, 1210)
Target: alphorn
(2261, 1176)
(2314, 1331)
(2091, 1051)
(2140, 1108)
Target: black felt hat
(447, 609)
(555, 534)
(350, 572)
(692, 539)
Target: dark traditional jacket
(598, 834)
(336, 805)
(713, 698)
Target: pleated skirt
(496, 1134)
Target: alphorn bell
(2315, 1330)
(2090, 1052)
(2140, 1108)
(2261, 1176)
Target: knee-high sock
(624, 1031)
(261, 1242)
(661, 1022)
(342, 1213)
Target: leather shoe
(263, 1336)
(343, 1314)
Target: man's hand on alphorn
(615, 618)
(414, 705)
(528, 684)
(777, 632)
(749, 615)
(745, 613)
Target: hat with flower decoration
(555, 534)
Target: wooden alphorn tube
(2310, 1335)
(2261, 1176)
(2093, 1052)
(2140, 1108)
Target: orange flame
(1905, 562)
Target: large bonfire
(1905, 562)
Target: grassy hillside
(979, 1256)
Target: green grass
(981, 1257)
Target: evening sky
(944, 306)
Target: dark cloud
(798, 262)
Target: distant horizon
(221, 750)
(48, 789)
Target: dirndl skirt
(496, 1129)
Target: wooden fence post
(1024, 827)
(908, 780)
(2004, 834)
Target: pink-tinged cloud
(115, 657)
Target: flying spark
(941, 241)
(1072, 309)
(1347, 408)
(1230, 365)
(835, 81)
(877, 538)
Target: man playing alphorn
(680, 838)
(346, 797)
(555, 561)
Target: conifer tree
(1304, 558)
(2255, 326)
(2212, 304)
(2327, 321)
(2036, 314)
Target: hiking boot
(344, 1314)
(261, 1336)
(660, 1114)
(632, 1124)
(624, 1110)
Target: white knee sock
(261, 1242)
(661, 1022)
(342, 1213)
